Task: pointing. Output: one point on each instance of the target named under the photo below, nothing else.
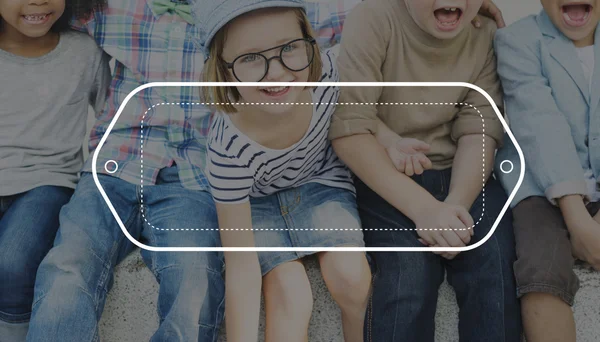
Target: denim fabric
(76, 275)
(552, 111)
(405, 284)
(312, 215)
(28, 225)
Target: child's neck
(587, 41)
(276, 131)
(13, 41)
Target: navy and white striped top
(238, 167)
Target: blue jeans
(76, 275)
(405, 285)
(28, 225)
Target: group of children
(298, 166)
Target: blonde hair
(215, 69)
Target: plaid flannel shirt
(150, 48)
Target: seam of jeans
(216, 325)
(104, 265)
(145, 213)
(370, 307)
(443, 183)
(487, 217)
(213, 326)
(101, 289)
(108, 268)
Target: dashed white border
(307, 84)
(306, 104)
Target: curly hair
(74, 9)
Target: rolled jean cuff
(548, 289)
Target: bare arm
(468, 173)
(574, 211)
(242, 272)
(490, 10)
(369, 161)
(585, 230)
(385, 136)
(407, 154)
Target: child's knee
(289, 290)
(347, 275)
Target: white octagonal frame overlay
(308, 84)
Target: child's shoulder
(328, 60)
(81, 43)
(377, 11)
(488, 27)
(524, 30)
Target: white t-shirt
(587, 58)
(238, 168)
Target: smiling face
(575, 19)
(443, 19)
(259, 31)
(30, 18)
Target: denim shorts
(311, 215)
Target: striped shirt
(148, 47)
(238, 167)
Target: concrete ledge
(130, 313)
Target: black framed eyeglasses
(295, 55)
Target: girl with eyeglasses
(273, 174)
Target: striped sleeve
(230, 182)
(330, 72)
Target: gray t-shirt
(43, 112)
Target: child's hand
(408, 156)
(490, 10)
(445, 225)
(585, 240)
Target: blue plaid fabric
(161, 126)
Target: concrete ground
(130, 313)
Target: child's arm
(490, 10)
(407, 154)
(230, 184)
(584, 230)
(85, 14)
(362, 52)
(361, 152)
(242, 273)
(536, 121)
(468, 173)
(477, 131)
(101, 83)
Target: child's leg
(483, 278)
(27, 231)
(288, 303)
(348, 278)
(346, 274)
(543, 244)
(286, 289)
(405, 285)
